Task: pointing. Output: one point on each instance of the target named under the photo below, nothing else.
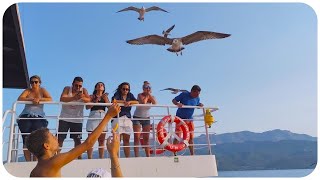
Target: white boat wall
(164, 166)
(158, 165)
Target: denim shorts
(29, 125)
(143, 122)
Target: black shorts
(29, 125)
(64, 127)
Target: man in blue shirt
(188, 99)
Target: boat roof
(15, 71)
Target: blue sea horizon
(267, 173)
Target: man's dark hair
(78, 78)
(35, 141)
(196, 87)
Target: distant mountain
(275, 149)
(244, 136)
(284, 154)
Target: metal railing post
(207, 134)
(11, 132)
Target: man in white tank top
(74, 93)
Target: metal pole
(154, 137)
(16, 142)
(11, 133)
(207, 134)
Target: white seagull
(142, 10)
(177, 43)
(174, 90)
(167, 32)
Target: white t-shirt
(72, 111)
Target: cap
(99, 172)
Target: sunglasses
(34, 82)
(77, 85)
(125, 89)
(146, 87)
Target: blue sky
(263, 77)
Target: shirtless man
(44, 145)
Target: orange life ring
(158, 151)
(163, 138)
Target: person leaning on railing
(123, 95)
(97, 112)
(35, 94)
(143, 113)
(71, 116)
(190, 99)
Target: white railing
(14, 134)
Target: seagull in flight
(142, 10)
(166, 33)
(177, 43)
(174, 91)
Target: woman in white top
(35, 94)
(98, 112)
(143, 113)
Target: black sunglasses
(34, 82)
(125, 89)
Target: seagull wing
(151, 39)
(131, 8)
(183, 90)
(155, 8)
(202, 35)
(168, 30)
(171, 89)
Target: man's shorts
(143, 121)
(65, 126)
(190, 126)
(124, 126)
(29, 125)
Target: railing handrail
(214, 108)
(5, 114)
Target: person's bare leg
(191, 147)
(27, 154)
(137, 130)
(101, 141)
(146, 135)
(89, 153)
(34, 158)
(77, 141)
(126, 142)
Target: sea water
(267, 173)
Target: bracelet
(115, 167)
